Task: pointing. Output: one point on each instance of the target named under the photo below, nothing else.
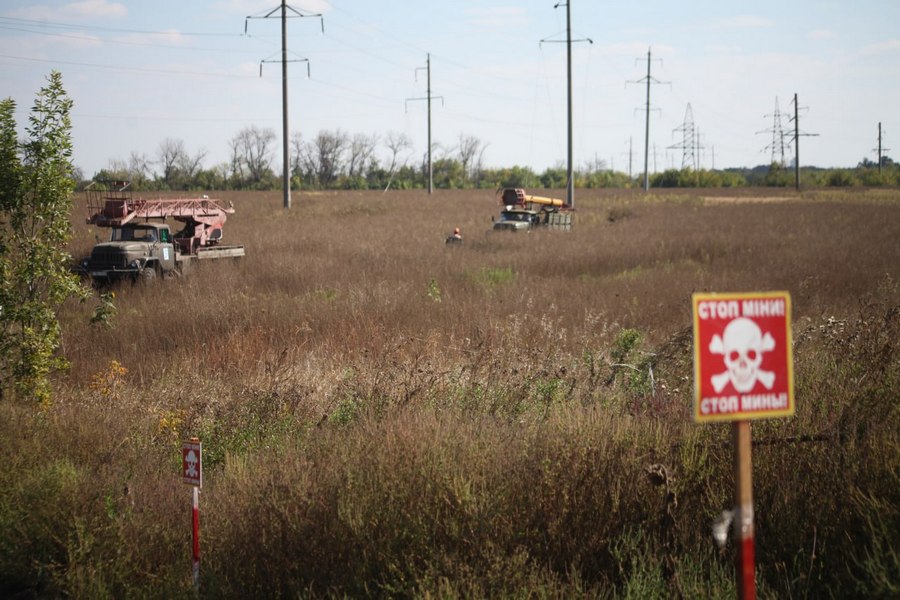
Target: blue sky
(141, 72)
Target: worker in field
(455, 237)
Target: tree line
(338, 160)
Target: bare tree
(296, 149)
(138, 168)
(322, 159)
(236, 164)
(252, 148)
(330, 148)
(169, 154)
(471, 155)
(362, 148)
(118, 169)
(191, 165)
(396, 142)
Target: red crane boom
(203, 217)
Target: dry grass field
(384, 415)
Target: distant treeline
(336, 160)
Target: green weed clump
(527, 436)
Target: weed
(362, 439)
(434, 292)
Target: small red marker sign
(191, 466)
(743, 365)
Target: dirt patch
(745, 199)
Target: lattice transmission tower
(776, 147)
(689, 140)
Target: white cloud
(820, 34)
(723, 49)
(91, 9)
(74, 11)
(742, 22)
(167, 37)
(506, 17)
(254, 7)
(881, 48)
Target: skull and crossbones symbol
(191, 461)
(742, 344)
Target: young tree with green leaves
(36, 186)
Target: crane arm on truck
(203, 217)
(518, 197)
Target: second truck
(524, 212)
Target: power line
(74, 27)
(126, 69)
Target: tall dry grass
(384, 415)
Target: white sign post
(192, 474)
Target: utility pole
(796, 140)
(648, 79)
(283, 9)
(570, 171)
(428, 97)
(630, 155)
(880, 149)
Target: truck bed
(209, 252)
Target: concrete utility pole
(630, 155)
(648, 79)
(283, 9)
(796, 140)
(428, 97)
(570, 169)
(880, 149)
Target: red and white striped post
(192, 474)
(745, 563)
(195, 530)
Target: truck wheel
(148, 274)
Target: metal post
(743, 522)
(796, 144)
(570, 183)
(879, 146)
(286, 177)
(647, 130)
(428, 94)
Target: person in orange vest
(455, 237)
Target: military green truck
(141, 245)
(524, 212)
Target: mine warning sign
(743, 365)
(191, 467)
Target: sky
(140, 73)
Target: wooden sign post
(743, 369)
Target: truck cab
(134, 250)
(516, 219)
